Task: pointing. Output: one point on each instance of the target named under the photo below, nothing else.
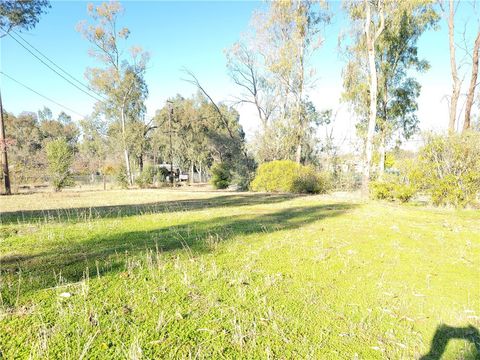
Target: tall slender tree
(473, 83)
(383, 86)
(121, 79)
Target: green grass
(177, 274)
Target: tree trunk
(3, 149)
(191, 173)
(373, 95)
(301, 120)
(298, 155)
(473, 84)
(383, 131)
(382, 152)
(453, 65)
(125, 150)
(140, 162)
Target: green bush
(309, 181)
(146, 178)
(403, 192)
(288, 176)
(121, 176)
(448, 169)
(60, 159)
(221, 175)
(392, 188)
(382, 190)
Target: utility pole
(3, 148)
(170, 115)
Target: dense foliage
(392, 188)
(288, 176)
(60, 159)
(146, 177)
(221, 175)
(448, 169)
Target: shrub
(147, 177)
(403, 192)
(382, 190)
(60, 159)
(392, 187)
(221, 175)
(288, 176)
(121, 176)
(448, 169)
(308, 181)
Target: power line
(55, 71)
(43, 96)
(57, 66)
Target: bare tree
(456, 82)
(473, 83)
(246, 72)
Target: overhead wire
(43, 96)
(97, 96)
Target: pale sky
(194, 35)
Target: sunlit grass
(177, 274)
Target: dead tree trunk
(453, 65)
(473, 83)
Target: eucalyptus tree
(23, 14)
(381, 54)
(368, 23)
(397, 56)
(121, 79)
(290, 32)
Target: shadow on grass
(115, 211)
(444, 333)
(107, 254)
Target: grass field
(178, 274)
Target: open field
(179, 274)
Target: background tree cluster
(271, 66)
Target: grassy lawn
(178, 274)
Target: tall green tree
(290, 32)
(121, 79)
(381, 53)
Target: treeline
(274, 66)
(187, 132)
